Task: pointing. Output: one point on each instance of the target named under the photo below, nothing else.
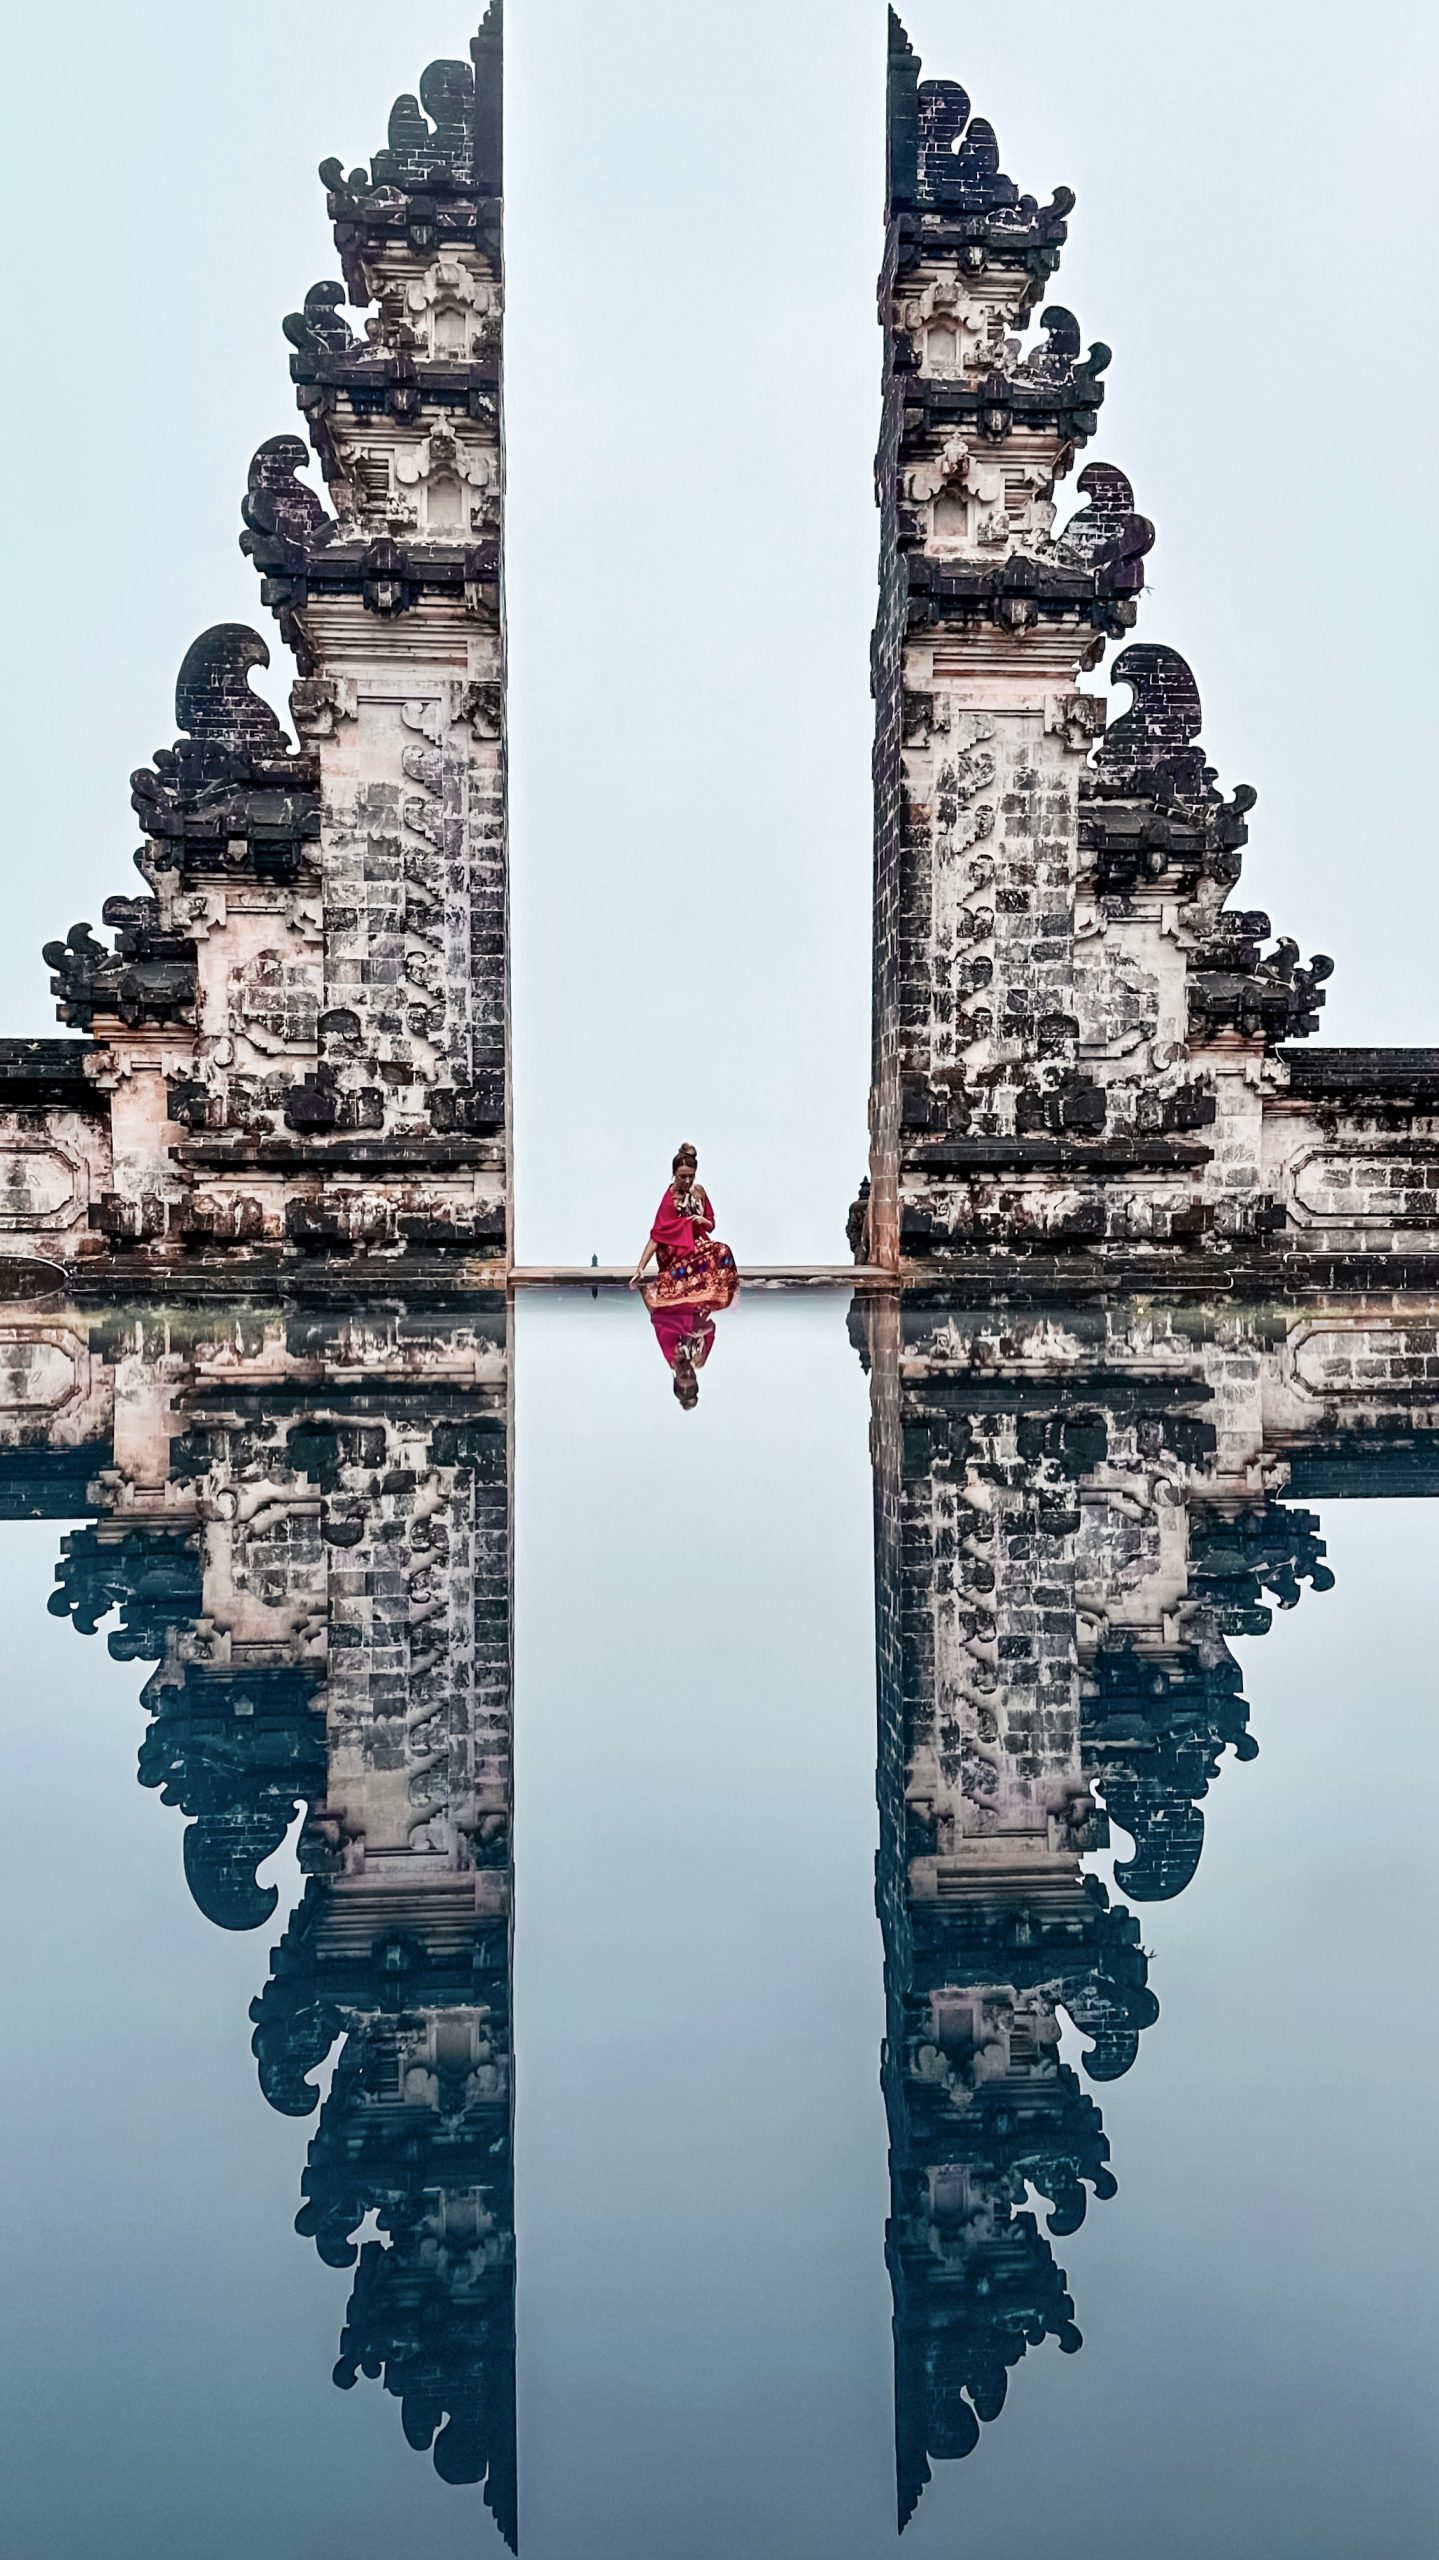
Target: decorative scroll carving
(1151, 749)
(420, 154)
(1107, 535)
(233, 790)
(278, 507)
(319, 328)
(241, 1755)
(149, 976)
(958, 158)
(1237, 986)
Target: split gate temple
(1088, 1060)
(292, 1057)
(287, 1081)
(296, 1048)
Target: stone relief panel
(1372, 1185)
(53, 1166)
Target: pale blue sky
(693, 233)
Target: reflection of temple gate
(302, 1522)
(305, 1526)
(1073, 1513)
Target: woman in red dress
(695, 1273)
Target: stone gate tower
(1080, 1045)
(296, 1046)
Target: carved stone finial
(1062, 330)
(1149, 802)
(213, 700)
(419, 152)
(447, 142)
(278, 506)
(944, 163)
(959, 158)
(320, 326)
(1153, 746)
(232, 778)
(1107, 534)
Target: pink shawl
(674, 1234)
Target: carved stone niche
(451, 477)
(451, 312)
(443, 486)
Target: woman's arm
(638, 1273)
(708, 1218)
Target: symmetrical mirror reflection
(304, 1527)
(297, 1526)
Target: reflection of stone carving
(152, 1577)
(1074, 1514)
(240, 1756)
(416, 2129)
(304, 1525)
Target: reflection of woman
(686, 1336)
(693, 1269)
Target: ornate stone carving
(1079, 1046)
(148, 977)
(232, 792)
(300, 1033)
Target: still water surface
(763, 2257)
